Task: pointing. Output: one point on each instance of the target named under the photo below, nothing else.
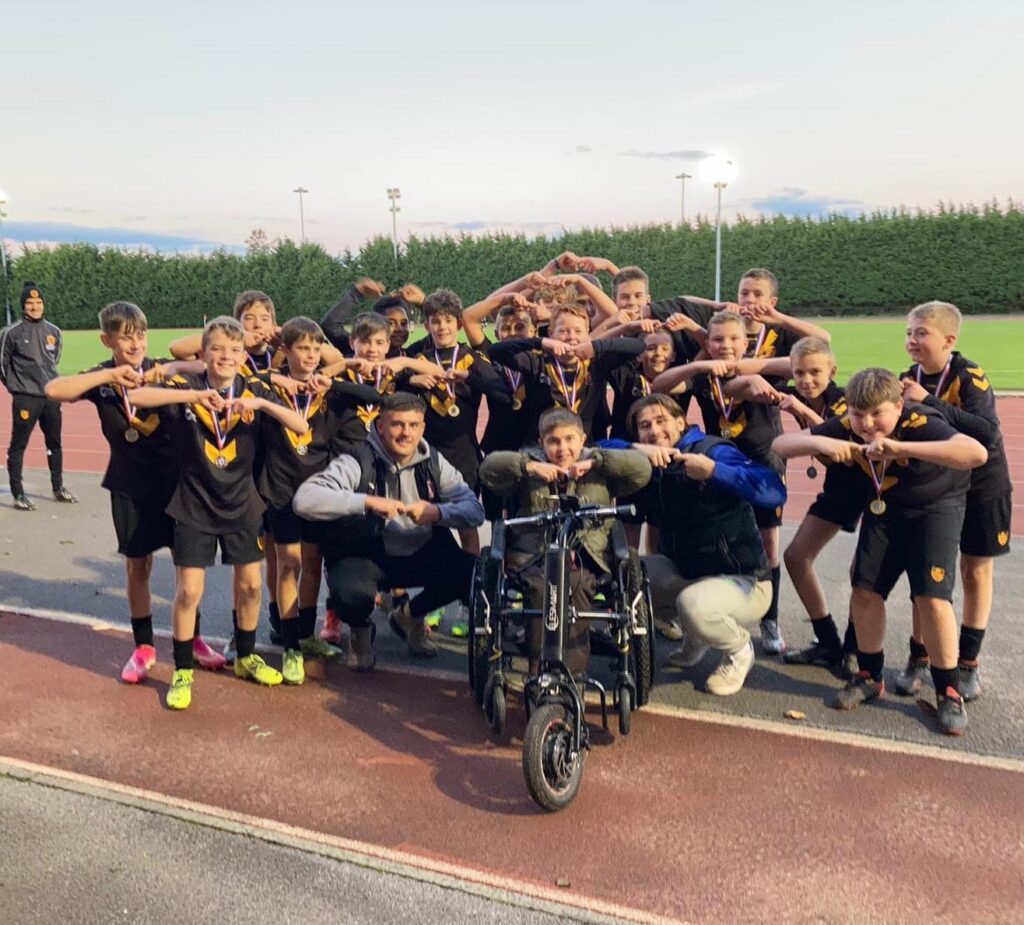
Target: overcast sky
(193, 120)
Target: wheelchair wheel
(484, 598)
(641, 647)
(495, 706)
(552, 776)
(625, 696)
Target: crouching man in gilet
(388, 510)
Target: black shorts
(196, 549)
(141, 524)
(986, 531)
(844, 512)
(921, 543)
(286, 527)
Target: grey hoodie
(332, 493)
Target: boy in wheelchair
(562, 464)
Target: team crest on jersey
(23, 414)
(937, 573)
(50, 340)
(1003, 537)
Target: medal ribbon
(942, 378)
(572, 400)
(876, 477)
(719, 397)
(760, 341)
(645, 386)
(295, 404)
(514, 379)
(450, 389)
(255, 367)
(221, 435)
(129, 409)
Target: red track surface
(86, 451)
(683, 819)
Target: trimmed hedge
(871, 264)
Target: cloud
(794, 202)
(580, 149)
(732, 93)
(62, 233)
(684, 155)
(68, 210)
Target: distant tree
(258, 243)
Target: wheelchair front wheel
(495, 707)
(641, 647)
(486, 576)
(625, 697)
(553, 775)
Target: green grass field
(995, 343)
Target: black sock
(234, 622)
(825, 630)
(872, 663)
(331, 605)
(275, 615)
(773, 609)
(917, 649)
(850, 637)
(245, 642)
(307, 621)
(183, 658)
(945, 677)
(970, 643)
(198, 619)
(142, 630)
(290, 633)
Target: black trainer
(64, 496)
(22, 503)
(912, 678)
(952, 713)
(970, 680)
(861, 688)
(814, 655)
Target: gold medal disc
(812, 472)
(131, 435)
(877, 507)
(453, 411)
(302, 449)
(516, 404)
(221, 462)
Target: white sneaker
(772, 642)
(690, 653)
(728, 677)
(669, 629)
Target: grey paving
(69, 857)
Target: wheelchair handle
(593, 513)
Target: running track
(86, 451)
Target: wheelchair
(556, 738)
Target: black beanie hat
(29, 291)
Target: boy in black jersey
(812, 399)
(744, 410)
(453, 399)
(141, 473)
(215, 419)
(943, 379)
(572, 369)
(915, 466)
(289, 459)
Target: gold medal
(247, 415)
(131, 435)
(812, 472)
(453, 411)
(727, 432)
(302, 449)
(877, 507)
(221, 462)
(517, 404)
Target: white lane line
(507, 890)
(833, 737)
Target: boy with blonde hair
(943, 379)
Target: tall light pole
(682, 196)
(3, 256)
(394, 194)
(719, 171)
(301, 190)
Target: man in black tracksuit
(29, 354)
